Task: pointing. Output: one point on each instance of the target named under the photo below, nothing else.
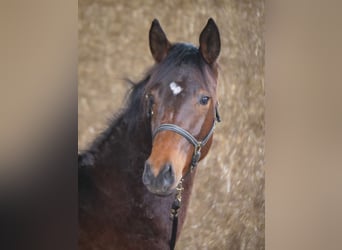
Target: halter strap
(184, 133)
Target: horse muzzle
(161, 184)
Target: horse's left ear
(210, 44)
(159, 45)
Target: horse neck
(120, 148)
(118, 168)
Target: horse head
(181, 105)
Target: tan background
(227, 205)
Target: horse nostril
(168, 175)
(147, 175)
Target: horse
(135, 179)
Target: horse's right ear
(159, 45)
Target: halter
(197, 144)
(195, 159)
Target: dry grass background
(227, 206)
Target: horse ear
(159, 45)
(210, 44)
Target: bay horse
(136, 178)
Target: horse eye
(204, 100)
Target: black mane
(180, 54)
(124, 127)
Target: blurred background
(227, 209)
(38, 146)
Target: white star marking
(176, 89)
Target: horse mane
(179, 54)
(124, 126)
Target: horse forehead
(181, 81)
(175, 88)
(182, 88)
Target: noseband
(197, 144)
